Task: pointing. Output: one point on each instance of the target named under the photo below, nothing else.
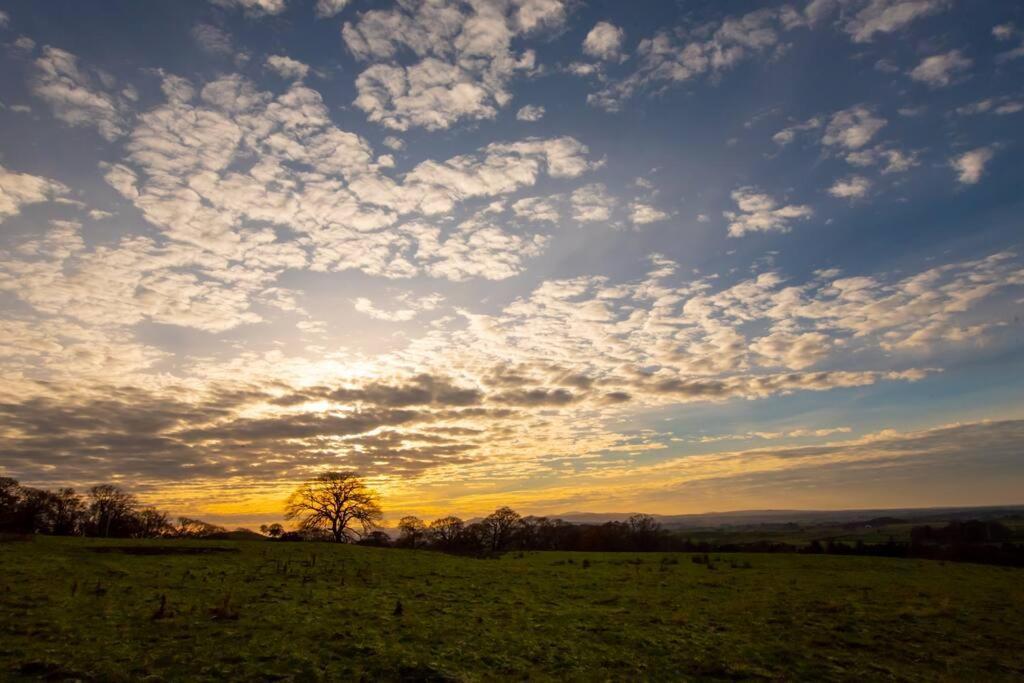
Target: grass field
(171, 610)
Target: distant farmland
(94, 609)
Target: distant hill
(739, 518)
(237, 535)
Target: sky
(655, 256)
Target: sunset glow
(537, 253)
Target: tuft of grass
(224, 611)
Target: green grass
(275, 611)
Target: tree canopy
(337, 502)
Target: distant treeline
(982, 542)
(505, 530)
(986, 542)
(105, 511)
(108, 511)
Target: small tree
(153, 523)
(196, 528)
(645, 532)
(445, 532)
(338, 502)
(10, 502)
(35, 513)
(500, 527)
(67, 512)
(412, 531)
(112, 511)
(274, 530)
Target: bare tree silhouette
(413, 531)
(445, 532)
(274, 530)
(338, 502)
(112, 510)
(500, 526)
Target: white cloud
(5, 19)
(537, 209)
(391, 142)
(212, 40)
(970, 166)
(938, 71)
(1009, 55)
(669, 58)
(1014, 107)
(1004, 31)
(324, 184)
(464, 53)
(122, 285)
(530, 112)
(604, 41)
(286, 67)
(894, 160)
(853, 187)
(592, 203)
(642, 214)
(714, 342)
(582, 69)
(410, 305)
(486, 252)
(20, 189)
(852, 128)
(758, 212)
(888, 16)
(254, 7)
(770, 436)
(787, 135)
(122, 179)
(24, 44)
(74, 95)
(177, 89)
(980, 107)
(330, 8)
(794, 351)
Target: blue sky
(568, 255)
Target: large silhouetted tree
(338, 502)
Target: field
(92, 609)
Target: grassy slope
(543, 616)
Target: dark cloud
(135, 434)
(535, 397)
(576, 381)
(423, 390)
(301, 426)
